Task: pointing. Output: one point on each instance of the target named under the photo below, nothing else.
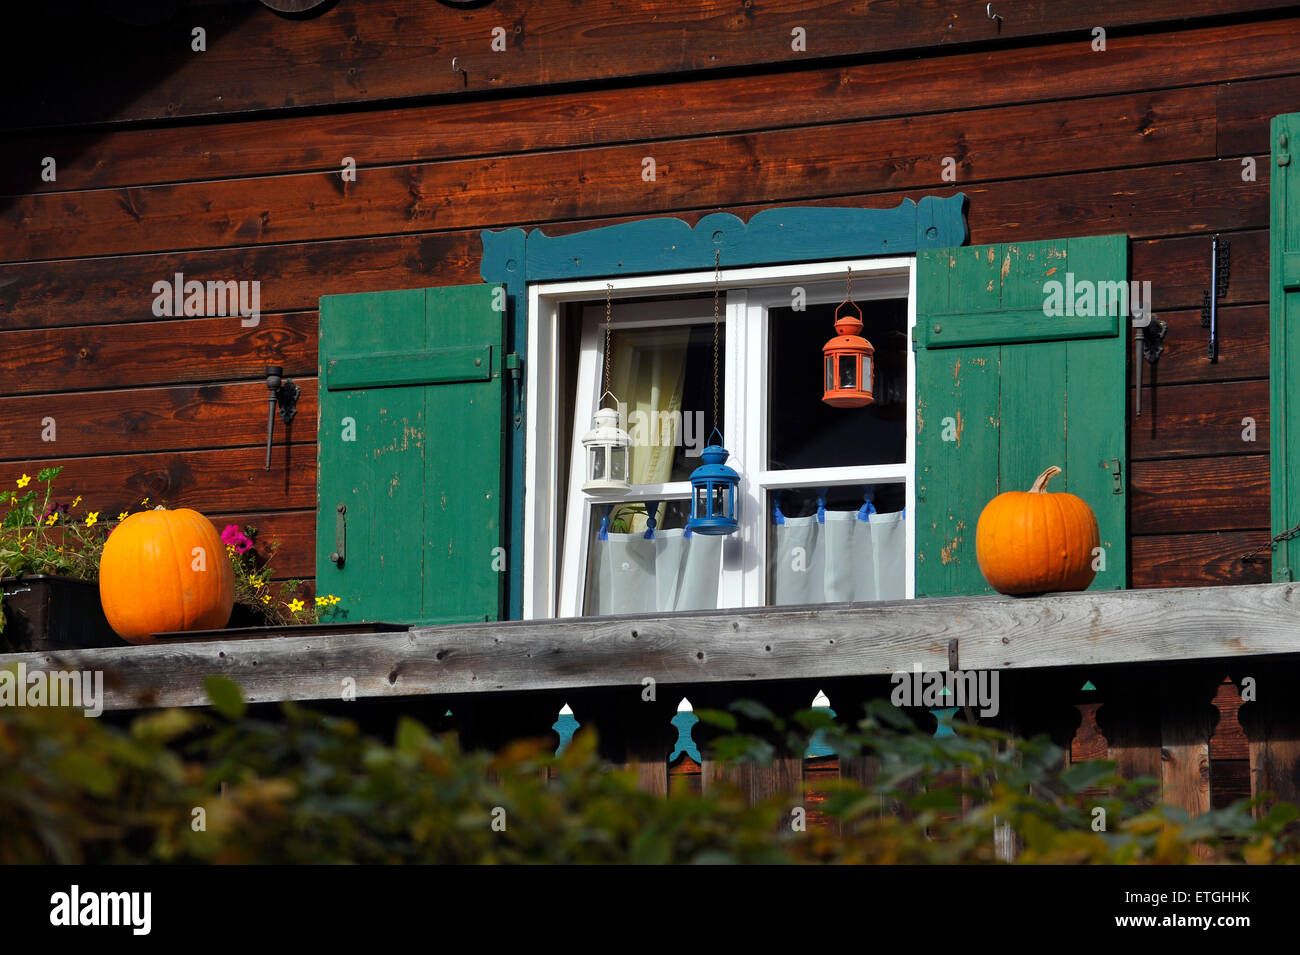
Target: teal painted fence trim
(515, 258)
(685, 721)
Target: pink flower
(232, 536)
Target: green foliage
(310, 788)
(38, 535)
(276, 602)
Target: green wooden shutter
(411, 437)
(1284, 344)
(1004, 390)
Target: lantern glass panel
(701, 502)
(849, 371)
(866, 373)
(597, 463)
(805, 432)
(618, 464)
(720, 508)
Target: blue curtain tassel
(603, 533)
(821, 508)
(651, 519)
(777, 516)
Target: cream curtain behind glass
(630, 574)
(649, 374)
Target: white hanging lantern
(606, 447)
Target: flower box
(46, 612)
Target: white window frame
(555, 558)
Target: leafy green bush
(311, 788)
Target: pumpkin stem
(1040, 486)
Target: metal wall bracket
(284, 397)
(1153, 341)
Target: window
(812, 475)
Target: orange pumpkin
(163, 571)
(1030, 542)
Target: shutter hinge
(1117, 475)
(1281, 575)
(1283, 152)
(515, 369)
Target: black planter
(44, 612)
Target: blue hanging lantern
(713, 484)
(713, 492)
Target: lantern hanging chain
(1272, 544)
(608, 322)
(717, 281)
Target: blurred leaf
(226, 696)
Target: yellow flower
(76, 500)
(266, 598)
(295, 606)
(123, 516)
(255, 580)
(24, 480)
(143, 503)
(92, 518)
(322, 601)
(333, 599)
(230, 550)
(51, 519)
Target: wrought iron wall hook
(284, 396)
(459, 69)
(995, 17)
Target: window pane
(841, 557)
(804, 431)
(663, 377)
(628, 574)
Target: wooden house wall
(225, 165)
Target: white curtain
(671, 571)
(843, 558)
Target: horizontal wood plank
(1199, 560)
(456, 130)
(190, 351)
(119, 289)
(1085, 629)
(1179, 269)
(255, 61)
(1228, 417)
(294, 276)
(177, 418)
(1185, 495)
(889, 154)
(1243, 348)
(1245, 109)
(231, 479)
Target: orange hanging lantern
(848, 360)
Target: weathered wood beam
(1105, 627)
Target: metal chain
(717, 279)
(848, 285)
(608, 321)
(1272, 544)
